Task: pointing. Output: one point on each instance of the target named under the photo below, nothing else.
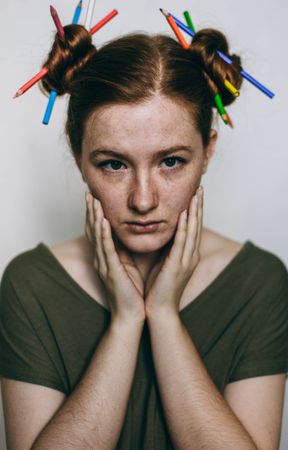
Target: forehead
(159, 122)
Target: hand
(124, 297)
(165, 290)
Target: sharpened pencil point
(163, 11)
(52, 10)
(18, 93)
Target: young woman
(134, 336)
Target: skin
(145, 190)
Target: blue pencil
(228, 60)
(53, 94)
(77, 13)
(47, 115)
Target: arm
(95, 410)
(197, 415)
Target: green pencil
(189, 21)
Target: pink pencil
(57, 22)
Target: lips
(140, 229)
(143, 223)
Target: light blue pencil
(47, 115)
(227, 59)
(53, 94)
(77, 13)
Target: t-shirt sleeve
(266, 348)
(22, 355)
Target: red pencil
(175, 28)
(102, 22)
(31, 82)
(58, 23)
(43, 72)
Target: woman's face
(122, 168)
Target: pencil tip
(18, 93)
(163, 11)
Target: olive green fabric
(50, 328)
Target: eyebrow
(109, 152)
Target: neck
(143, 261)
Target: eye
(113, 161)
(175, 158)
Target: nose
(143, 195)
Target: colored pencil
(231, 88)
(229, 120)
(53, 94)
(220, 107)
(102, 22)
(244, 74)
(189, 21)
(47, 115)
(174, 27)
(31, 82)
(89, 15)
(77, 13)
(58, 23)
(43, 71)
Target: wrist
(127, 322)
(162, 315)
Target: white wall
(41, 192)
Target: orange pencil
(174, 27)
(230, 123)
(43, 72)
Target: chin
(142, 243)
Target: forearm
(93, 415)
(197, 415)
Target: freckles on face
(140, 186)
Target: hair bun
(204, 48)
(67, 58)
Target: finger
(192, 227)
(91, 215)
(200, 221)
(178, 245)
(113, 261)
(87, 228)
(89, 219)
(102, 265)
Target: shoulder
(255, 262)
(22, 264)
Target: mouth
(142, 223)
(143, 227)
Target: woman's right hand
(124, 298)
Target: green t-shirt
(50, 328)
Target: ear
(209, 149)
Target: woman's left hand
(166, 288)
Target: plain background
(42, 192)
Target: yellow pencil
(231, 88)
